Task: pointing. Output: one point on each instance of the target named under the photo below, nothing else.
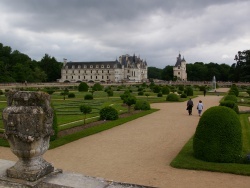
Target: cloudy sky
(102, 30)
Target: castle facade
(126, 69)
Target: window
(78, 77)
(97, 66)
(107, 77)
(102, 77)
(72, 77)
(96, 71)
(91, 77)
(91, 71)
(66, 77)
(108, 66)
(79, 66)
(66, 72)
(179, 73)
(128, 71)
(85, 71)
(108, 71)
(79, 71)
(85, 66)
(96, 77)
(102, 66)
(102, 71)
(84, 77)
(73, 66)
(91, 66)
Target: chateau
(127, 69)
(180, 69)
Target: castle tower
(180, 69)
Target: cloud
(93, 30)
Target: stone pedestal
(28, 126)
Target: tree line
(18, 67)
(199, 71)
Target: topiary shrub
(142, 105)
(234, 89)
(230, 98)
(108, 113)
(83, 87)
(172, 97)
(189, 91)
(230, 104)
(88, 97)
(140, 93)
(183, 95)
(97, 87)
(165, 90)
(71, 95)
(159, 94)
(218, 136)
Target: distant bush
(181, 88)
(110, 93)
(234, 89)
(179, 92)
(83, 87)
(1, 92)
(230, 104)
(189, 91)
(156, 89)
(218, 136)
(183, 95)
(230, 98)
(140, 93)
(142, 105)
(71, 95)
(88, 97)
(172, 97)
(97, 87)
(159, 94)
(108, 113)
(165, 90)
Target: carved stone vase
(28, 126)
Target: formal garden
(223, 146)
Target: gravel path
(140, 151)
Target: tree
(97, 87)
(154, 73)
(242, 67)
(83, 87)
(167, 73)
(51, 67)
(85, 110)
(130, 100)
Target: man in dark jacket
(190, 105)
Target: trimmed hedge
(142, 105)
(230, 98)
(189, 91)
(172, 97)
(230, 104)
(108, 113)
(218, 136)
(88, 97)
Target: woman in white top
(200, 107)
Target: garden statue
(214, 84)
(28, 122)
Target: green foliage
(97, 87)
(108, 113)
(49, 91)
(189, 91)
(83, 87)
(183, 95)
(88, 97)
(181, 88)
(159, 94)
(218, 136)
(1, 92)
(130, 100)
(140, 93)
(235, 90)
(71, 95)
(110, 93)
(142, 105)
(230, 104)
(85, 109)
(248, 92)
(230, 98)
(202, 88)
(172, 97)
(165, 90)
(156, 89)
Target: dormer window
(66, 67)
(73, 66)
(79, 66)
(108, 66)
(91, 66)
(85, 66)
(102, 66)
(97, 66)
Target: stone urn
(28, 126)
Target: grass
(186, 160)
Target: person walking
(204, 92)
(200, 107)
(190, 105)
